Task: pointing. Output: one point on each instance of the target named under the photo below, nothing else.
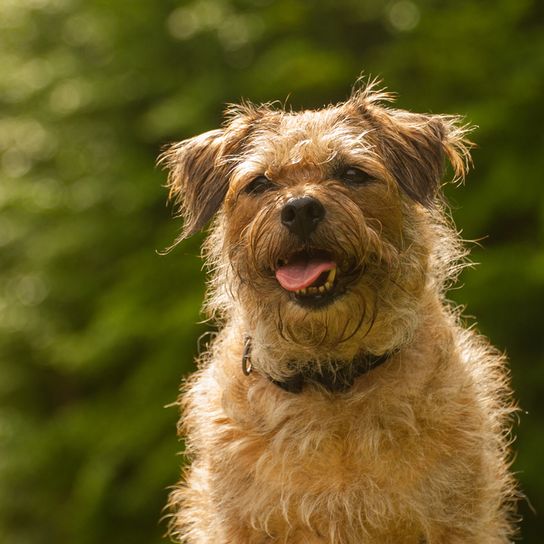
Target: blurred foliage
(97, 329)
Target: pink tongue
(302, 274)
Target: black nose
(301, 215)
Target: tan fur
(417, 450)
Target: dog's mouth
(309, 276)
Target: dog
(342, 401)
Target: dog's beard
(373, 316)
(351, 314)
(367, 268)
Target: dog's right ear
(199, 172)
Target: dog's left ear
(417, 148)
(200, 169)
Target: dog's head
(327, 221)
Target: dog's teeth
(328, 286)
(332, 275)
(321, 288)
(312, 290)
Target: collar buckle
(247, 367)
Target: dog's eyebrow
(368, 161)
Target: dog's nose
(301, 215)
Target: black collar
(333, 380)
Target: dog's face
(324, 233)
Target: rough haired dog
(342, 400)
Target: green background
(97, 329)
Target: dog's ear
(415, 146)
(199, 171)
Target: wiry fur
(417, 450)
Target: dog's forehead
(309, 138)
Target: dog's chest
(341, 453)
(321, 459)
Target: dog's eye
(259, 185)
(355, 176)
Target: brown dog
(342, 400)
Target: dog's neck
(335, 377)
